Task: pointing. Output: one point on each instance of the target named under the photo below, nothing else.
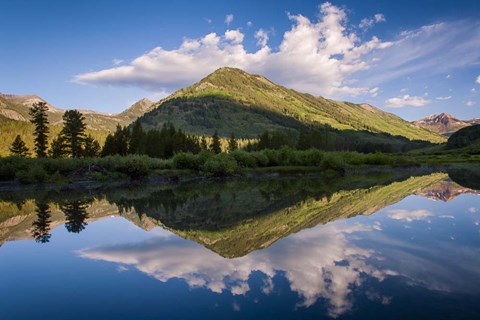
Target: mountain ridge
(444, 123)
(232, 100)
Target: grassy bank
(46, 170)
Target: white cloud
(228, 19)
(320, 56)
(309, 261)
(262, 37)
(472, 210)
(444, 98)
(234, 35)
(448, 76)
(478, 80)
(406, 101)
(117, 61)
(473, 90)
(428, 51)
(409, 216)
(470, 103)
(368, 23)
(208, 20)
(249, 23)
(374, 92)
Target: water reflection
(41, 226)
(220, 234)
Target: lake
(378, 245)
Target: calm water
(363, 247)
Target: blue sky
(409, 58)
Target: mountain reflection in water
(292, 228)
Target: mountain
(14, 119)
(444, 123)
(231, 100)
(445, 190)
(247, 215)
(16, 107)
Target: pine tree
(91, 147)
(18, 148)
(232, 143)
(73, 132)
(38, 112)
(137, 139)
(203, 143)
(58, 148)
(215, 145)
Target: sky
(410, 58)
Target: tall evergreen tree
(137, 139)
(215, 145)
(18, 148)
(73, 132)
(38, 112)
(91, 147)
(58, 148)
(232, 143)
(203, 143)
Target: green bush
(220, 165)
(184, 160)
(333, 161)
(244, 159)
(34, 174)
(134, 167)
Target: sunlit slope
(232, 100)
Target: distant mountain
(231, 100)
(445, 190)
(16, 107)
(444, 123)
(14, 119)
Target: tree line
(73, 142)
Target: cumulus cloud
(470, 103)
(249, 24)
(308, 260)
(478, 80)
(315, 56)
(262, 37)
(228, 19)
(234, 35)
(406, 101)
(444, 98)
(320, 56)
(368, 23)
(409, 215)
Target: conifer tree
(38, 112)
(18, 148)
(73, 132)
(203, 143)
(91, 147)
(232, 143)
(57, 148)
(137, 139)
(215, 145)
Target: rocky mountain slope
(444, 123)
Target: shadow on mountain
(207, 113)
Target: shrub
(184, 160)
(34, 174)
(220, 165)
(244, 159)
(134, 167)
(333, 161)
